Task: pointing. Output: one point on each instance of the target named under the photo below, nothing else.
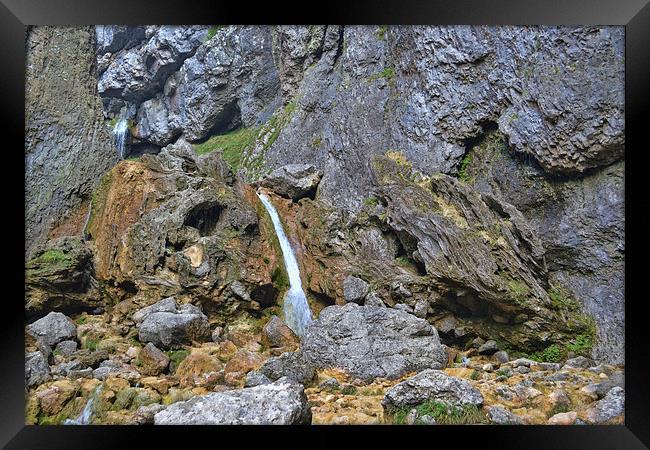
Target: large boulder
(370, 342)
(432, 385)
(293, 180)
(277, 334)
(166, 324)
(53, 328)
(280, 403)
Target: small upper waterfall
(121, 132)
(296, 309)
(86, 414)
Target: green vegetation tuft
(475, 375)
(349, 390)
(517, 290)
(91, 344)
(380, 32)
(371, 201)
(463, 171)
(388, 74)
(231, 144)
(175, 358)
(213, 31)
(54, 257)
(280, 279)
(443, 414)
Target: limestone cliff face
(67, 146)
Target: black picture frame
(15, 15)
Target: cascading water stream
(297, 314)
(87, 413)
(121, 132)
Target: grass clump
(387, 73)
(371, 201)
(175, 358)
(463, 174)
(517, 290)
(91, 344)
(213, 31)
(443, 414)
(231, 144)
(54, 257)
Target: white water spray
(121, 132)
(86, 414)
(296, 309)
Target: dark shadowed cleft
(204, 217)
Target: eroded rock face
(423, 88)
(432, 385)
(580, 223)
(370, 342)
(60, 277)
(136, 74)
(178, 224)
(280, 403)
(67, 146)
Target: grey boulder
(166, 324)
(354, 289)
(292, 365)
(432, 385)
(501, 416)
(371, 342)
(37, 371)
(53, 328)
(610, 407)
(280, 403)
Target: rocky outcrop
(60, 277)
(280, 403)
(167, 324)
(369, 342)
(137, 74)
(580, 223)
(67, 146)
(177, 224)
(432, 385)
(37, 371)
(293, 181)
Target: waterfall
(121, 132)
(86, 414)
(296, 309)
